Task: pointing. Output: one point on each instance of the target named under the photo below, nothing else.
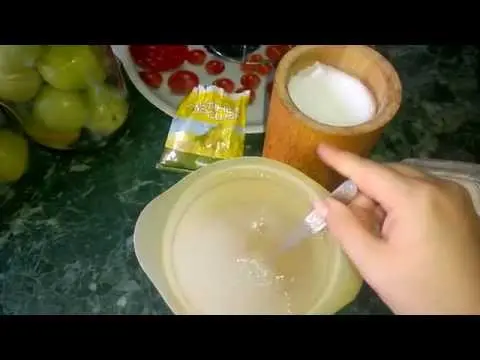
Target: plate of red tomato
(165, 74)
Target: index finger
(384, 185)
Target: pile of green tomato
(61, 94)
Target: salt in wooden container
(292, 137)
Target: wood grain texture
(292, 137)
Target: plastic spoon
(313, 223)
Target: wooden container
(292, 137)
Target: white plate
(164, 100)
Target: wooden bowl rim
(393, 101)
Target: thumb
(360, 245)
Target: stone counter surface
(66, 228)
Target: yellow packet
(209, 126)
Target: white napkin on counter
(463, 173)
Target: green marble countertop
(66, 227)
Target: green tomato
(71, 67)
(19, 86)
(13, 156)
(60, 110)
(15, 58)
(108, 109)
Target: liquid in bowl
(218, 242)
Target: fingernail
(321, 208)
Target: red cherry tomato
(254, 59)
(226, 84)
(173, 50)
(180, 51)
(156, 64)
(181, 82)
(276, 52)
(196, 57)
(169, 57)
(138, 53)
(252, 94)
(152, 79)
(248, 68)
(264, 69)
(250, 81)
(141, 55)
(214, 67)
(159, 57)
(141, 62)
(257, 58)
(256, 63)
(176, 54)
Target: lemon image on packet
(209, 125)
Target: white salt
(331, 97)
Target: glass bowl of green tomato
(65, 96)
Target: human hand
(414, 238)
